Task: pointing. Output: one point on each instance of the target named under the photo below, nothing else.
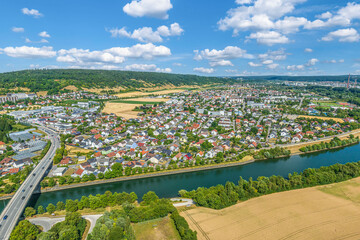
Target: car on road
(30, 185)
(34, 174)
(23, 197)
(23, 190)
(5, 217)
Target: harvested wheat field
(71, 88)
(73, 150)
(121, 109)
(99, 90)
(41, 93)
(136, 94)
(322, 118)
(143, 99)
(325, 212)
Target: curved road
(13, 210)
(47, 222)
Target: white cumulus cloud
(148, 8)
(269, 38)
(44, 34)
(204, 70)
(222, 57)
(29, 52)
(272, 66)
(343, 35)
(31, 12)
(261, 15)
(147, 68)
(27, 40)
(252, 64)
(241, 2)
(221, 63)
(146, 34)
(302, 67)
(113, 55)
(18, 29)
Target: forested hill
(56, 79)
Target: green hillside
(56, 79)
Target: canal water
(168, 186)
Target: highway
(13, 210)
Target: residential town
(190, 128)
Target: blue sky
(206, 37)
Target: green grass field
(328, 104)
(157, 229)
(348, 190)
(19, 127)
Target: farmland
(326, 212)
(141, 101)
(121, 109)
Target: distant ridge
(54, 80)
(300, 78)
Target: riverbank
(295, 147)
(149, 175)
(169, 186)
(247, 160)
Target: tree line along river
(169, 185)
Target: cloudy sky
(207, 37)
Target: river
(168, 186)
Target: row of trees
(5, 128)
(93, 202)
(222, 196)
(61, 152)
(14, 180)
(271, 153)
(43, 153)
(183, 227)
(335, 142)
(112, 225)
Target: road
(182, 202)
(47, 222)
(259, 121)
(301, 101)
(18, 202)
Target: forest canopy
(56, 79)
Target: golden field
(126, 109)
(140, 94)
(121, 109)
(322, 118)
(324, 212)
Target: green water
(168, 186)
